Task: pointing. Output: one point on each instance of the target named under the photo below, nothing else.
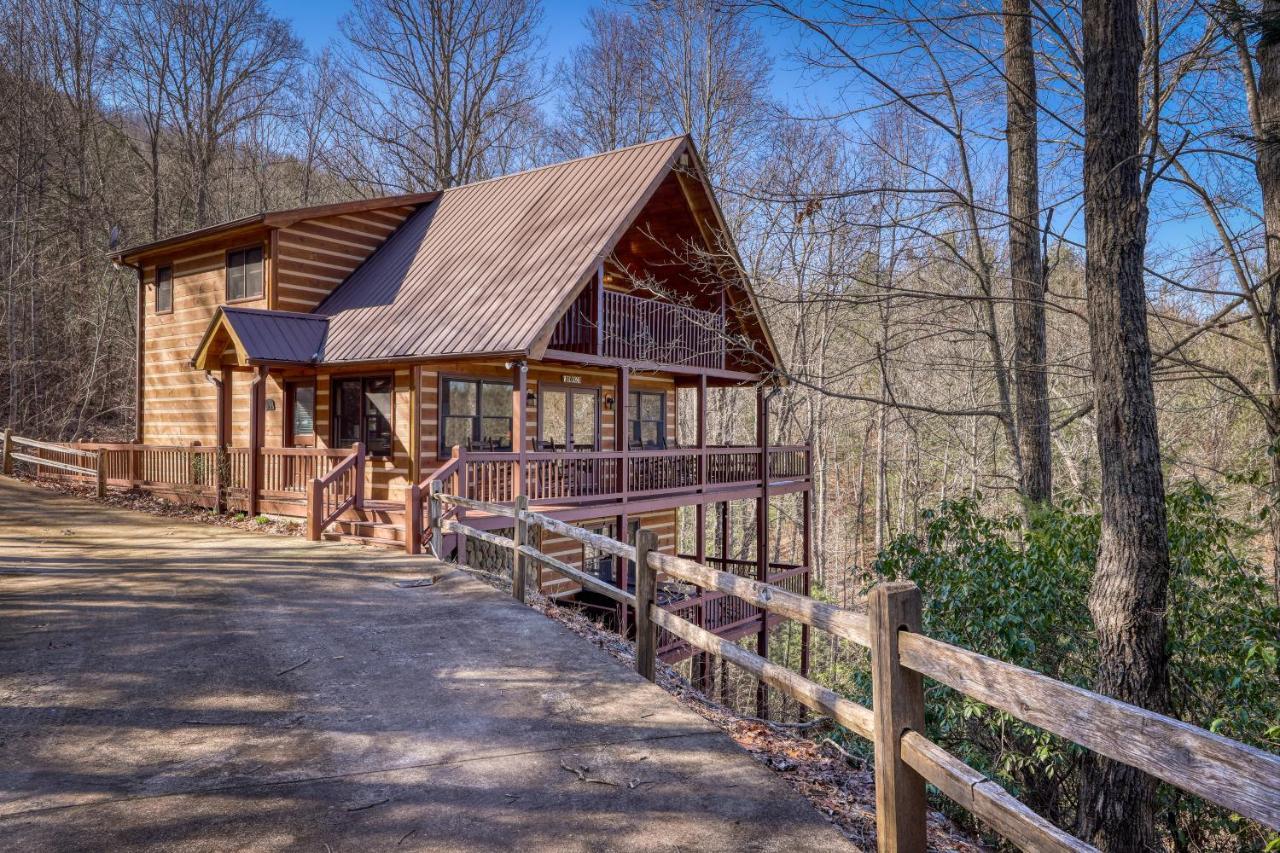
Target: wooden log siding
(316, 255)
(180, 406)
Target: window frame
(156, 296)
(262, 274)
(443, 413)
(568, 391)
(635, 428)
(364, 379)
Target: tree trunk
(1267, 167)
(1127, 599)
(1025, 268)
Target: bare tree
(439, 90)
(609, 98)
(230, 61)
(1025, 267)
(1130, 583)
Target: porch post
(599, 308)
(702, 431)
(762, 539)
(519, 432)
(257, 429)
(220, 467)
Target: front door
(569, 418)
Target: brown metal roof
(487, 267)
(267, 337)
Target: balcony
(570, 478)
(632, 328)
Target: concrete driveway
(177, 686)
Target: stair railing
(342, 489)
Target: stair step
(372, 541)
(386, 531)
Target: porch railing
(575, 477)
(207, 474)
(642, 329)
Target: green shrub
(1018, 591)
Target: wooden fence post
(315, 508)
(6, 465)
(102, 473)
(519, 562)
(646, 595)
(413, 519)
(898, 704)
(433, 519)
(221, 471)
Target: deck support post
(257, 429)
(6, 456)
(519, 562)
(646, 597)
(762, 540)
(897, 699)
(622, 442)
(806, 559)
(700, 557)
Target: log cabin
(535, 334)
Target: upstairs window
(647, 420)
(164, 290)
(244, 274)
(362, 411)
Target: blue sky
(316, 23)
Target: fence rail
(1222, 771)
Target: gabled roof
(260, 336)
(488, 268)
(272, 219)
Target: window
(164, 290)
(475, 414)
(362, 412)
(301, 403)
(244, 273)
(647, 419)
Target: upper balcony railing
(633, 328)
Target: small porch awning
(257, 337)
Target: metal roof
(488, 267)
(262, 336)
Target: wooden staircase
(378, 523)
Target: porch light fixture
(608, 403)
(530, 397)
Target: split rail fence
(1222, 771)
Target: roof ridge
(559, 163)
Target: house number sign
(571, 380)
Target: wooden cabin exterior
(565, 305)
